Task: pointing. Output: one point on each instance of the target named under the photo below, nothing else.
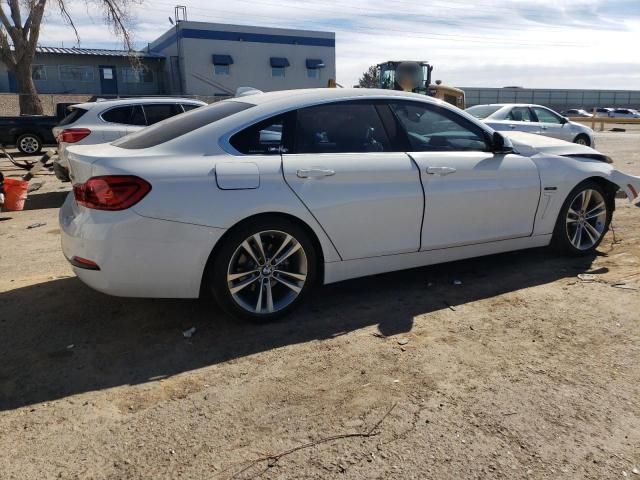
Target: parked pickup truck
(29, 133)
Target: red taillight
(111, 192)
(73, 135)
(84, 263)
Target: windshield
(178, 125)
(483, 111)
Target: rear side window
(264, 138)
(520, 114)
(128, 115)
(160, 111)
(346, 127)
(179, 125)
(73, 116)
(189, 106)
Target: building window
(137, 75)
(76, 73)
(221, 70)
(277, 71)
(38, 72)
(313, 73)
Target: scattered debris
(587, 277)
(457, 282)
(379, 335)
(189, 333)
(623, 285)
(35, 186)
(635, 471)
(36, 225)
(70, 346)
(449, 306)
(403, 341)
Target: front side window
(432, 128)
(221, 70)
(346, 127)
(38, 72)
(520, 114)
(160, 111)
(76, 73)
(127, 115)
(546, 116)
(264, 138)
(277, 71)
(189, 106)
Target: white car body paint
(368, 216)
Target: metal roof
(96, 52)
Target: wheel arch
(608, 186)
(271, 215)
(583, 134)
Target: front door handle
(442, 171)
(512, 127)
(315, 172)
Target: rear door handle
(442, 171)
(315, 172)
(512, 127)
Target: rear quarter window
(177, 126)
(73, 116)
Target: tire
(582, 139)
(29, 144)
(581, 227)
(244, 279)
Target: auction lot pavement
(524, 370)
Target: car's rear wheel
(582, 140)
(584, 219)
(264, 269)
(29, 143)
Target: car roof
(136, 101)
(311, 95)
(508, 105)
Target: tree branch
(67, 18)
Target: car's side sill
(338, 271)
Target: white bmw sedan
(256, 199)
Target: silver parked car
(624, 113)
(532, 119)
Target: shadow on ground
(118, 341)
(39, 201)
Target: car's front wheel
(29, 144)
(582, 139)
(584, 219)
(263, 269)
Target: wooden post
(593, 120)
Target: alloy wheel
(586, 219)
(581, 141)
(29, 144)
(267, 272)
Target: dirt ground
(523, 371)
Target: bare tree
(369, 78)
(19, 39)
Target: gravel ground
(523, 371)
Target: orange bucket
(15, 193)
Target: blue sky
(532, 43)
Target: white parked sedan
(258, 198)
(533, 119)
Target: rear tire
(263, 270)
(582, 139)
(584, 220)
(29, 144)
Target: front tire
(582, 139)
(584, 220)
(29, 144)
(263, 270)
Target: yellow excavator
(412, 76)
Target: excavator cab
(410, 76)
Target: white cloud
(534, 43)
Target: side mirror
(500, 145)
(564, 120)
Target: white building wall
(251, 49)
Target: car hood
(529, 144)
